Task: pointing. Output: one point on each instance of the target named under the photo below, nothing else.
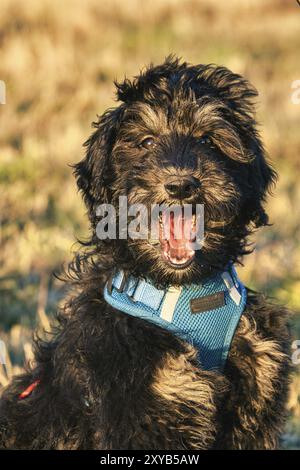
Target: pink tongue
(177, 231)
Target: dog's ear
(261, 179)
(238, 96)
(94, 172)
(234, 90)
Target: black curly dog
(109, 380)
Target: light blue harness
(206, 315)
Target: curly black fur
(110, 381)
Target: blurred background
(58, 60)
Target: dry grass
(58, 60)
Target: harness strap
(206, 315)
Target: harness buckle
(116, 281)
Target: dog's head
(182, 135)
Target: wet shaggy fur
(111, 381)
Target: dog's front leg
(188, 401)
(258, 368)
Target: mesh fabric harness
(206, 315)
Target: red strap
(29, 389)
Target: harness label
(210, 302)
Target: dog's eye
(148, 143)
(205, 140)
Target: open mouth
(177, 232)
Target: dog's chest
(204, 315)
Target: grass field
(58, 60)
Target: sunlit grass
(58, 60)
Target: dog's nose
(183, 187)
